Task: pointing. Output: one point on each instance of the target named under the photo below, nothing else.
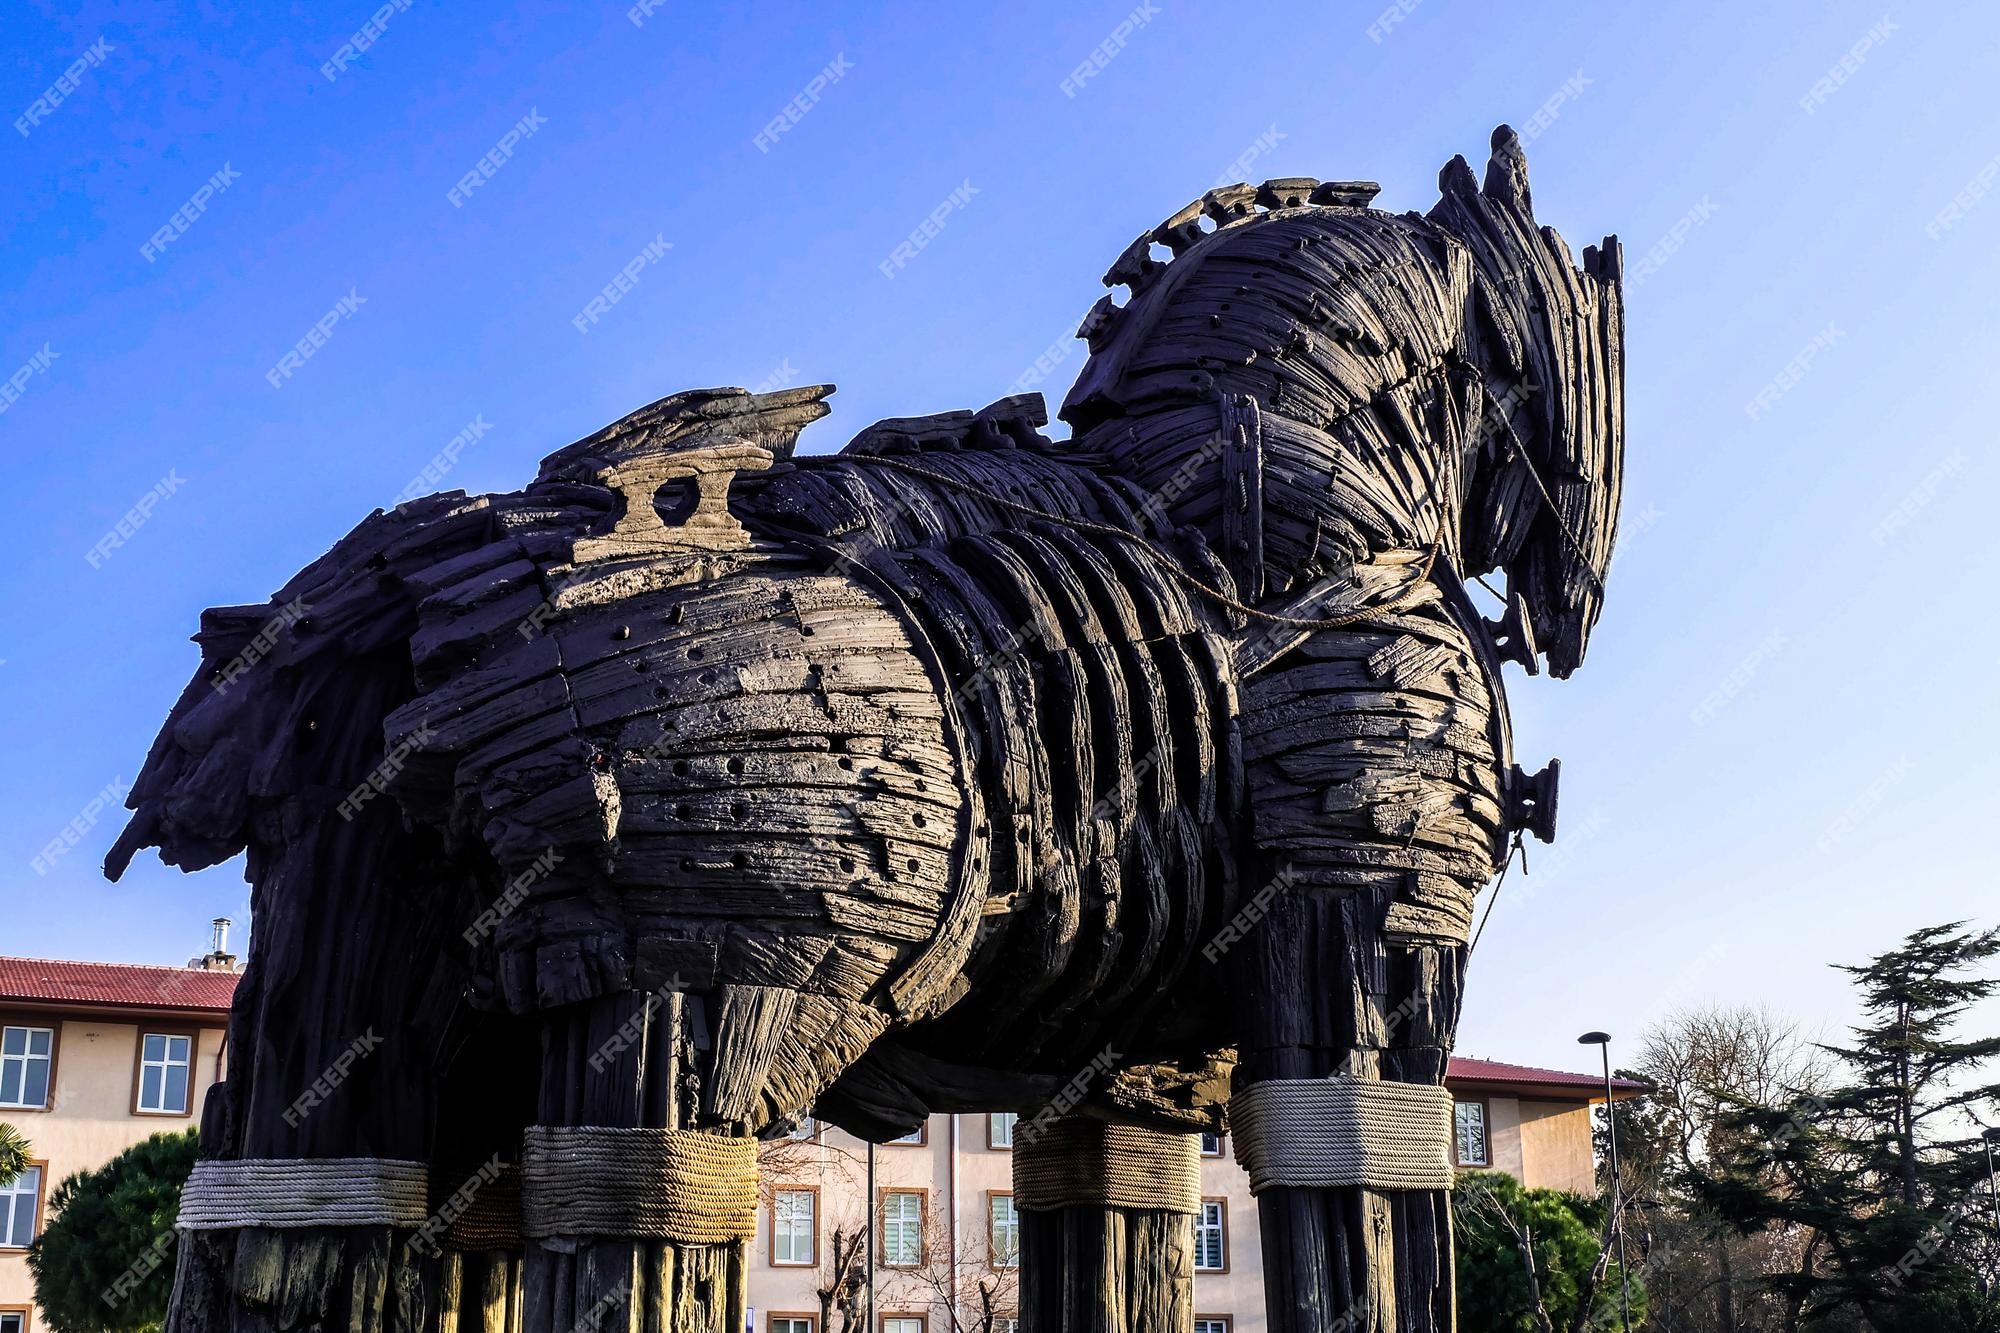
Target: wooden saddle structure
(1141, 783)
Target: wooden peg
(1531, 799)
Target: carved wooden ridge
(708, 526)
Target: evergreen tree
(1534, 1260)
(106, 1259)
(1887, 1166)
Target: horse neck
(1383, 474)
(1348, 332)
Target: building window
(1211, 1238)
(902, 1323)
(1003, 1231)
(1211, 1323)
(902, 1228)
(1000, 1129)
(1469, 1134)
(26, 1058)
(1211, 1145)
(1006, 1323)
(914, 1138)
(165, 1059)
(793, 1323)
(795, 1228)
(20, 1209)
(14, 1321)
(805, 1131)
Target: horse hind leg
(651, 1231)
(618, 1062)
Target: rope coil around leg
(1328, 1133)
(304, 1192)
(652, 1184)
(480, 1210)
(1102, 1165)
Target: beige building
(95, 1057)
(946, 1228)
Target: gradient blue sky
(1689, 868)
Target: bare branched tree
(843, 1286)
(835, 1171)
(964, 1286)
(1704, 1275)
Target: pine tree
(105, 1261)
(1887, 1167)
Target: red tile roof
(1464, 1069)
(114, 985)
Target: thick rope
(1173, 567)
(305, 1192)
(1079, 1161)
(655, 1184)
(480, 1212)
(1329, 1133)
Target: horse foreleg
(309, 1204)
(1107, 1227)
(1330, 997)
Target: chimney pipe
(218, 958)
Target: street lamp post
(1602, 1040)
(1991, 1137)
(869, 1213)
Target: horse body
(926, 775)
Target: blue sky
(1838, 663)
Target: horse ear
(1455, 179)
(1507, 172)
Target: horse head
(1448, 379)
(1545, 341)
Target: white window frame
(899, 1323)
(805, 1131)
(1000, 1127)
(1458, 1156)
(916, 1138)
(785, 1228)
(795, 1323)
(13, 1321)
(1212, 1145)
(163, 1064)
(22, 1060)
(913, 1224)
(1219, 1210)
(1212, 1323)
(11, 1191)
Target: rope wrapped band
(481, 1211)
(304, 1192)
(1328, 1133)
(1102, 1165)
(655, 1184)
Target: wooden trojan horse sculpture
(1129, 782)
